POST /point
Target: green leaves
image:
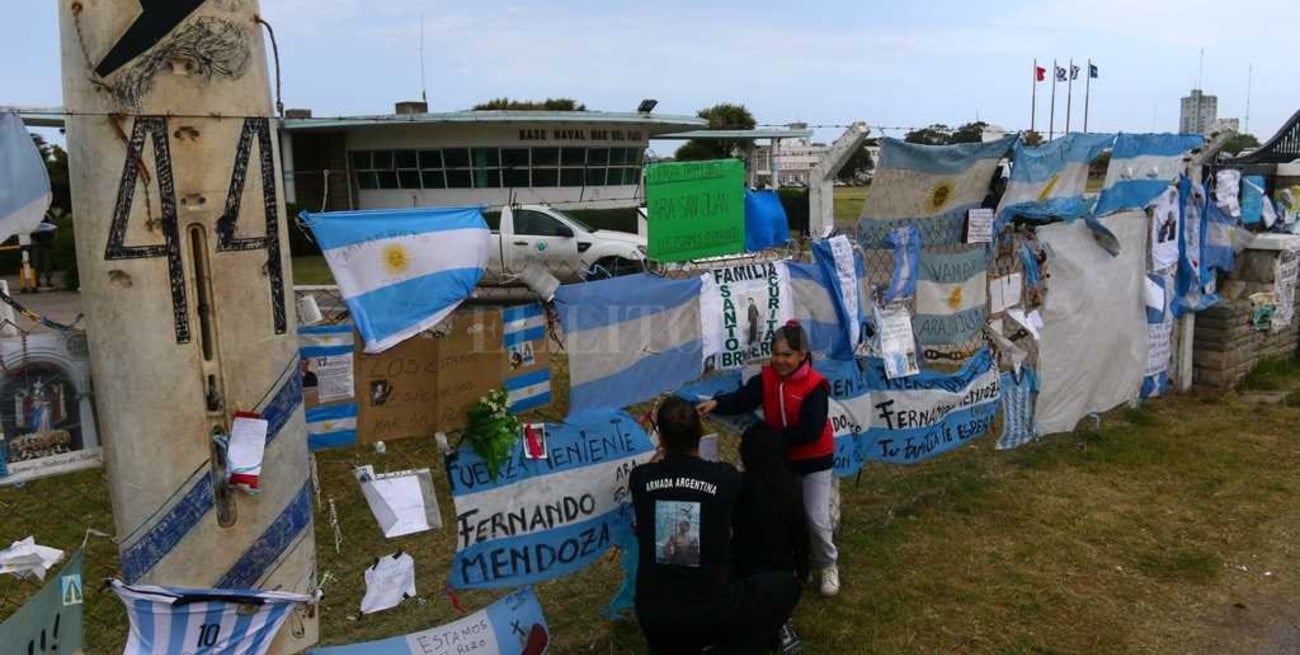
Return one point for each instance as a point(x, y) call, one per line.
point(492, 430)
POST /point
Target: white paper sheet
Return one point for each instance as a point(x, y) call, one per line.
point(402, 502)
point(334, 378)
point(897, 343)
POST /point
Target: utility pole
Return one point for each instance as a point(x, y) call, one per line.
point(181, 244)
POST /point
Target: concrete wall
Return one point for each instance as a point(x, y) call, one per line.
point(1226, 345)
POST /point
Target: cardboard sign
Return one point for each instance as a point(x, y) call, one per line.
point(427, 383)
point(695, 209)
point(51, 621)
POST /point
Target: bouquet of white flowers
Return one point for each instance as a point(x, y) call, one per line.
point(492, 430)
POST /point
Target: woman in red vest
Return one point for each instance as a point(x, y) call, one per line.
point(795, 401)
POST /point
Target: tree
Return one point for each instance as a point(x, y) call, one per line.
point(549, 104)
point(858, 166)
point(722, 116)
point(1032, 138)
point(56, 166)
point(937, 134)
point(969, 133)
point(1238, 142)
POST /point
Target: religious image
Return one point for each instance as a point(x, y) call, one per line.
point(41, 417)
point(535, 440)
point(677, 533)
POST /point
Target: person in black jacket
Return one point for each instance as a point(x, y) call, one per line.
point(688, 596)
point(771, 529)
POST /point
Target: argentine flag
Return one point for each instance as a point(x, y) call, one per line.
point(1047, 182)
point(24, 182)
point(401, 271)
point(1142, 166)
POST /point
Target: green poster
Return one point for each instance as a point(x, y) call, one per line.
point(51, 621)
point(695, 209)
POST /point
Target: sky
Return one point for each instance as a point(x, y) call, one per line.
point(891, 63)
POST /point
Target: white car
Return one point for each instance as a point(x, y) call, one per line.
point(566, 247)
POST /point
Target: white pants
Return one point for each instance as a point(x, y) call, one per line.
point(817, 505)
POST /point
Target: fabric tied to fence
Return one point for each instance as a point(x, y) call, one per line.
point(1159, 291)
point(541, 519)
point(1195, 281)
point(1048, 181)
point(629, 338)
point(1092, 351)
point(513, 625)
point(24, 180)
point(402, 271)
point(766, 224)
point(843, 270)
point(1141, 167)
point(951, 297)
point(932, 186)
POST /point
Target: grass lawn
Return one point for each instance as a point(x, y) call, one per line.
point(1168, 529)
point(848, 205)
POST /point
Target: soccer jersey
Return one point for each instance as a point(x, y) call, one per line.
point(175, 621)
point(1018, 408)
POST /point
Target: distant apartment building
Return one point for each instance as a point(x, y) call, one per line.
point(1198, 113)
point(793, 158)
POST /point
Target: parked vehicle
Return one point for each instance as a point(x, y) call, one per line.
point(565, 246)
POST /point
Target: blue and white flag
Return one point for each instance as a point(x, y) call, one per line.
point(1220, 232)
point(629, 338)
point(905, 241)
point(931, 186)
point(24, 181)
point(513, 625)
point(527, 386)
point(327, 369)
point(1142, 166)
point(951, 297)
point(1018, 394)
point(1048, 181)
point(1252, 199)
point(1195, 281)
point(545, 518)
point(331, 426)
point(1160, 329)
point(203, 621)
point(402, 271)
point(843, 271)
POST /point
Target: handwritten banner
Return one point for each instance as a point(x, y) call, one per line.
point(951, 297)
point(741, 307)
point(695, 209)
point(513, 625)
point(545, 518)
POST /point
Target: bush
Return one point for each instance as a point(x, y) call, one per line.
point(65, 252)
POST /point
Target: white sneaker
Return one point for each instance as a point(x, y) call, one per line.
point(830, 581)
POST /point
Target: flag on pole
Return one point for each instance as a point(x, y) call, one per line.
point(1060, 74)
point(402, 271)
point(1093, 71)
point(1074, 72)
point(1042, 73)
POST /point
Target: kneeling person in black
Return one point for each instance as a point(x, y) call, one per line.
point(688, 597)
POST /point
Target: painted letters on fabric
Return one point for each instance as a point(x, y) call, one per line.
point(741, 307)
point(932, 187)
point(51, 621)
point(545, 518)
point(513, 625)
point(951, 297)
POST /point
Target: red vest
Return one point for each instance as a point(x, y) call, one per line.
point(782, 398)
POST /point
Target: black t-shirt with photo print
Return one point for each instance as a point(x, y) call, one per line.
point(684, 512)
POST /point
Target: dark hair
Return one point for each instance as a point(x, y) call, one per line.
point(678, 425)
point(793, 335)
point(763, 454)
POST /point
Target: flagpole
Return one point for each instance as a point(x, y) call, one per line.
point(1069, 96)
point(1087, 92)
point(1051, 121)
point(1033, 96)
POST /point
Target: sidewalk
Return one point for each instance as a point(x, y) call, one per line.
point(61, 306)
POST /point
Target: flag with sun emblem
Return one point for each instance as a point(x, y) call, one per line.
point(951, 295)
point(401, 271)
point(932, 187)
point(1048, 181)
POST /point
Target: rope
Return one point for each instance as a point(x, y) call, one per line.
point(38, 318)
point(275, 53)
